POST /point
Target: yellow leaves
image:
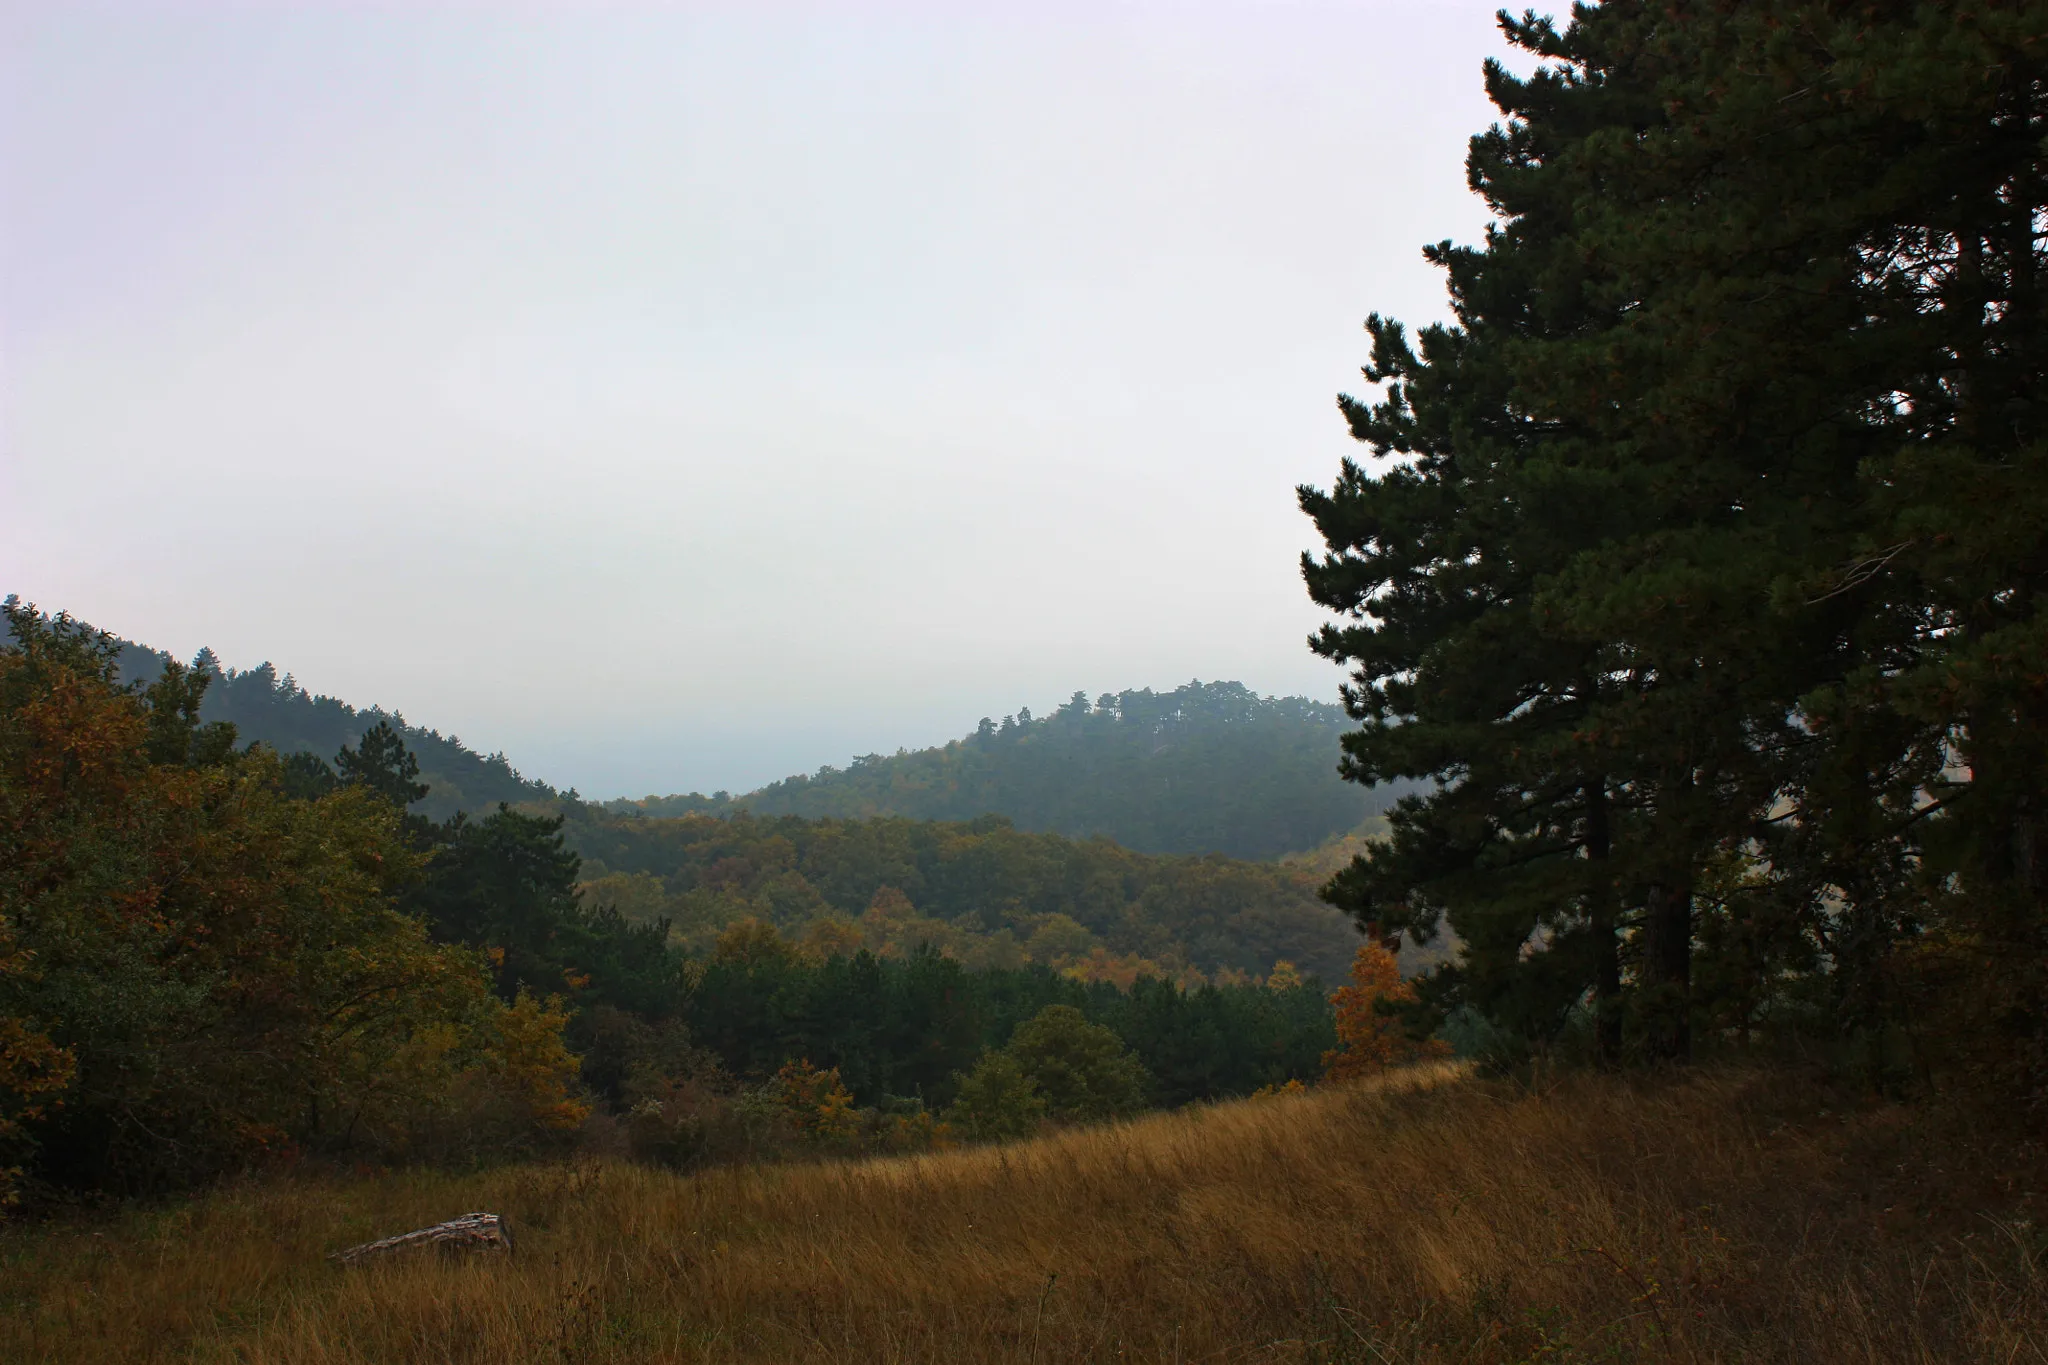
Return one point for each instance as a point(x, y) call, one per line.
point(1122, 970)
point(1285, 976)
point(534, 1062)
point(72, 731)
point(817, 1103)
point(242, 946)
point(832, 936)
point(1058, 938)
point(751, 942)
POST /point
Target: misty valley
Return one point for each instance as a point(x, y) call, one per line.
point(1636, 950)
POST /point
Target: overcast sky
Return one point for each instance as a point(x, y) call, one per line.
point(680, 396)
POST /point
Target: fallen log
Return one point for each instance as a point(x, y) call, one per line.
point(469, 1234)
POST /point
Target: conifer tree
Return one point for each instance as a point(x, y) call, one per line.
point(1741, 421)
point(1439, 559)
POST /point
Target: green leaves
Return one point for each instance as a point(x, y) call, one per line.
point(1714, 533)
point(199, 970)
point(1082, 1069)
point(1058, 1066)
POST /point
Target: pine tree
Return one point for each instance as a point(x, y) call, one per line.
point(1460, 673)
point(1741, 424)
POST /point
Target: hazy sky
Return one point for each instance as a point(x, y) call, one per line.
point(679, 396)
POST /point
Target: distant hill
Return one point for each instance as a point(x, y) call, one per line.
point(982, 891)
point(1205, 768)
point(825, 861)
point(268, 709)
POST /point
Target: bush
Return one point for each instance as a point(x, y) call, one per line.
point(997, 1100)
point(1083, 1070)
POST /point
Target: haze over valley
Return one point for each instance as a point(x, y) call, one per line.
point(1243, 680)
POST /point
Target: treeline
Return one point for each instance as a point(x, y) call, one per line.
point(913, 1027)
point(275, 711)
point(1205, 768)
point(205, 956)
point(1707, 570)
point(214, 956)
point(981, 891)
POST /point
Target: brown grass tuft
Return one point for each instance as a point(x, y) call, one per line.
point(1716, 1217)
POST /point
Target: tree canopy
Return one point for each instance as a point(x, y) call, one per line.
point(982, 890)
point(275, 711)
point(200, 970)
point(1205, 768)
point(1701, 558)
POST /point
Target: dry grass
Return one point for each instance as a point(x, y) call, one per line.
point(1725, 1216)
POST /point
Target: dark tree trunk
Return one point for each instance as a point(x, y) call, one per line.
point(1667, 971)
point(1603, 910)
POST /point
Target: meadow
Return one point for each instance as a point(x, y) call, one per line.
point(1425, 1216)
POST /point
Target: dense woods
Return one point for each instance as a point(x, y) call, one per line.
point(1695, 597)
point(199, 969)
point(1205, 768)
point(1703, 559)
point(276, 711)
point(981, 890)
point(214, 956)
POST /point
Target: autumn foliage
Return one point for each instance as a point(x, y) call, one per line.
point(1370, 1034)
point(818, 1105)
point(200, 971)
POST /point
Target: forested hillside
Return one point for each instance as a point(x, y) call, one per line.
point(211, 954)
point(983, 891)
point(268, 709)
point(1205, 768)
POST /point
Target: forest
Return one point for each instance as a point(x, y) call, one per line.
point(1691, 584)
point(1205, 768)
point(215, 953)
point(980, 890)
point(277, 712)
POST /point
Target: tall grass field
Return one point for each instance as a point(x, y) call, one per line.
point(1430, 1216)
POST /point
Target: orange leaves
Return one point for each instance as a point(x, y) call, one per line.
point(225, 964)
point(34, 1072)
point(817, 1102)
point(70, 731)
point(1370, 1038)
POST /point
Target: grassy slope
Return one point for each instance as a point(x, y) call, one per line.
point(1720, 1217)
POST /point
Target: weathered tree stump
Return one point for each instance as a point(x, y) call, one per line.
point(470, 1234)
